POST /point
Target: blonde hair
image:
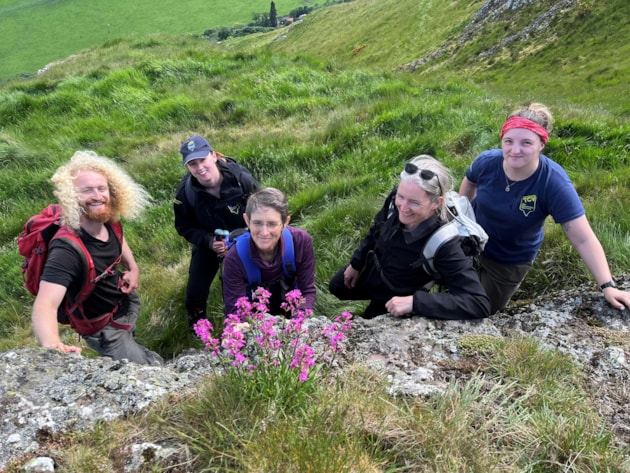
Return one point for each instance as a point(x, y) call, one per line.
point(535, 112)
point(436, 188)
point(128, 198)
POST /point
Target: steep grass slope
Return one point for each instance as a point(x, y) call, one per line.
point(330, 132)
point(567, 50)
point(330, 119)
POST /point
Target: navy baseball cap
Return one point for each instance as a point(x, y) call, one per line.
point(195, 147)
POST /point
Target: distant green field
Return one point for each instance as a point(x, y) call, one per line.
point(36, 32)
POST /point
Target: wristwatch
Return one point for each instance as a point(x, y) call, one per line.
point(610, 283)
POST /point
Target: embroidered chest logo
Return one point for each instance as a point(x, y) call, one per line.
point(528, 204)
point(235, 209)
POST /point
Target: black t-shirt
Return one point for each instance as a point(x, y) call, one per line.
point(66, 266)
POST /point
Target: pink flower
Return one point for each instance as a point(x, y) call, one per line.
point(203, 328)
point(243, 305)
point(294, 326)
point(268, 339)
point(251, 331)
point(336, 332)
point(294, 301)
point(303, 360)
point(233, 340)
point(261, 295)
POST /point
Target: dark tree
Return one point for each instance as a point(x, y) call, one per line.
point(273, 15)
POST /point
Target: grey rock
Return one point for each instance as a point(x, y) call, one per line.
point(490, 13)
point(44, 392)
point(39, 465)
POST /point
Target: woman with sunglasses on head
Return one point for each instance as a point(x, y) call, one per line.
point(513, 190)
point(386, 268)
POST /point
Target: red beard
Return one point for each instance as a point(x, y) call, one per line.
point(101, 214)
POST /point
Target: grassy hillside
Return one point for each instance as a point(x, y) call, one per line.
point(370, 33)
point(582, 57)
point(325, 115)
point(328, 132)
point(35, 33)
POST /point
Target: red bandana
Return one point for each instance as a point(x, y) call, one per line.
point(520, 122)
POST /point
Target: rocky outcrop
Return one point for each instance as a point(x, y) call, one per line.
point(491, 12)
point(43, 392)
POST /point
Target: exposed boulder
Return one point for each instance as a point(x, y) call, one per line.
point(491, 12)
point(43, 392)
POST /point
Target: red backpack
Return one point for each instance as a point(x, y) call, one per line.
point(39, 230)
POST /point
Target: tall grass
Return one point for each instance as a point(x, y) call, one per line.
point(332, 138)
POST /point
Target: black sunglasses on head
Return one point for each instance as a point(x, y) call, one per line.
point(425, 174)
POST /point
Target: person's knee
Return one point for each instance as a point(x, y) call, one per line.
point(153, 359)
point(336, 289)
point(494, 308)
point(336, 285)
point(332, 287)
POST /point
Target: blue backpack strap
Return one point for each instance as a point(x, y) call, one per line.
point(253, 271)
point(288, 258)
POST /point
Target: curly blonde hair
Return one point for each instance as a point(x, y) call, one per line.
point(128, 198)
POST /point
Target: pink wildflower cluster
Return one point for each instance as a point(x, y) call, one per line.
point(250, 338)
point(336, 332)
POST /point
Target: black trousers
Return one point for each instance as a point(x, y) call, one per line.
point(360, 292)
point(204, 264)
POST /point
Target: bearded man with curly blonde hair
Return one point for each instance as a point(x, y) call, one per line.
point(94, 193)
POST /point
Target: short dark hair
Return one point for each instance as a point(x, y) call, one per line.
point(268, 197)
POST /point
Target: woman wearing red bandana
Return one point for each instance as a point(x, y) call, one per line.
point(513, 190)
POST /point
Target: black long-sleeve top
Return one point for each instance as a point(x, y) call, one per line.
point(196, 221)
point(399, 253)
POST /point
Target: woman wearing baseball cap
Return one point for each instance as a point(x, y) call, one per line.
point(211, 196)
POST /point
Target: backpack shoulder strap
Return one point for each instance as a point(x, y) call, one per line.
point(442, 235)
point(253, 271)
point(189, 192)
point(73, 307)
point(288, 257)
point(89, 271)
point(118, 232)
point(235, 169)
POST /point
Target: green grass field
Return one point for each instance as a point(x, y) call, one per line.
point(35, 33)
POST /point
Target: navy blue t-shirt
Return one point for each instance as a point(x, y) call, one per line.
point(515, 220)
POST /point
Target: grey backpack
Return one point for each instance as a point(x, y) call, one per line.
point(463, 225)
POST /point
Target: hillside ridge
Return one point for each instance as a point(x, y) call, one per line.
point(492, 11)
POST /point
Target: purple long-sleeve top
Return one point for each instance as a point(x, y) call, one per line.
point(235, 276)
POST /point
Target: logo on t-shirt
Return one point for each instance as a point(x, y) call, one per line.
point(235, 209)
point(528, 204)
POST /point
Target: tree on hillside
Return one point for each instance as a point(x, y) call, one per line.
point(260, 19)
point(273, 15)
point(297, 12)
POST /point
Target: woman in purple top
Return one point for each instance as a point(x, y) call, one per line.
point(267, 215)
point(513, 190)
